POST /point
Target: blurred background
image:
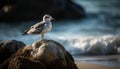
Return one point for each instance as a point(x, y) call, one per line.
point(84, 27)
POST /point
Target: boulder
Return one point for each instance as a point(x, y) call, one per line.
point(50, 54)
point(23, 10)
point(21, 62)
point(41, 55)
point(8, 48)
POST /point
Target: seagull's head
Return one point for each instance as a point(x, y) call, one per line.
point(47, 18)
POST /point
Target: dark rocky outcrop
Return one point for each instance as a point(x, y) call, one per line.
point(23, 10)
point(9, 47)
point(25, 63)
point(40, 55)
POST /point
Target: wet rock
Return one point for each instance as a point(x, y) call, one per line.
point(50, 53)
point(53, 55)
point(9, 47)
point(23, 10)
point(42, 55)
point(25, 63)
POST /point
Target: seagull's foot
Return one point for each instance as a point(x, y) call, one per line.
point(42, 41)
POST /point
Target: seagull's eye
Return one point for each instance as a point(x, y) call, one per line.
point(32, 27)
point(47, 17)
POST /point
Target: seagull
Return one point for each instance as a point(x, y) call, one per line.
point(41, 27)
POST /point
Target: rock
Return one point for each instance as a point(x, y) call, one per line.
point(9, 47)
point(25, 63)
point(50, 53)
point(53, 55)
point(42, 55)
point(23, 10)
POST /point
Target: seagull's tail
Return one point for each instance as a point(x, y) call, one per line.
point(25, 33)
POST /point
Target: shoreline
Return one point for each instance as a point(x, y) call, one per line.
point(104, 60)
point(82, 65)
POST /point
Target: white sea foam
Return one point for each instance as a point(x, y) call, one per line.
point(107, 44)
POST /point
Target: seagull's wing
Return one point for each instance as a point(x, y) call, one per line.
point(39, 25)
point(36, 29)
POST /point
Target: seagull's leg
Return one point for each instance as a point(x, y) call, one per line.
point(42, 35)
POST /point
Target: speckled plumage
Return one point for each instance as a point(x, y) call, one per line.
point(41, 27)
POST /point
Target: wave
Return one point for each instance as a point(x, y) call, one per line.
point(91, 45)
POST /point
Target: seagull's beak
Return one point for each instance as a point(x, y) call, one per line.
point(52, 19)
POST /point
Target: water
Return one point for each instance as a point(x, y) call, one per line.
point(109, 60)
point(98, 6)
point(97, 34)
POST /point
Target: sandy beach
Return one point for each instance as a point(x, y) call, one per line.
point(82, 65)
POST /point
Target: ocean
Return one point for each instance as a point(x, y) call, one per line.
point(94, 39)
